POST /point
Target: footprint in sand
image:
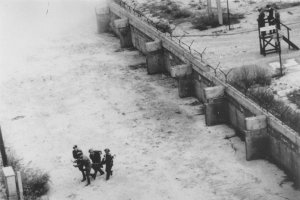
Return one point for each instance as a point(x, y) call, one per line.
point(71, 196)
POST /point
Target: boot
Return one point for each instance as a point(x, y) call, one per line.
point(83, 177)
point(101, 172)
point(94, 175)
point(88, 181)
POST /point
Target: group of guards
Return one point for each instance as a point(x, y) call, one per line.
point(85, 165)
point(273, 17)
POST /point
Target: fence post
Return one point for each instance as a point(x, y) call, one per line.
point(20, 185)
point(2, 149)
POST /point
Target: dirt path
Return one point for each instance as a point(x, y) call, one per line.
point(71, 86)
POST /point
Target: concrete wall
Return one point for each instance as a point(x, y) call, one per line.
point(269, 138)
point(284, 153)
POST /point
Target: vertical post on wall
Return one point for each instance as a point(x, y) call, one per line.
point(220, 13)
point(2, 149)
point(209, 10)
point(279, 51)
point(228, 15)
point(20, 185)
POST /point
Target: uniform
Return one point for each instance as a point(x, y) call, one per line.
point(108, 161)
point(76, 155)
point(85, 163)
point(95, 156)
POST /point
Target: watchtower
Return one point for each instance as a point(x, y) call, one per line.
point(270, 33)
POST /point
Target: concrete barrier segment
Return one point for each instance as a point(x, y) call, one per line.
point(255, 123)
point(103, 19)
point(178, 71)
point(10, 183)
point(256, 142)
point(214, 92)
point(121, 23)
point(153, 46)
point(185, 86)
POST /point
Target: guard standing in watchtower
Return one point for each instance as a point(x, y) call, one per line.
point(270, 17)
point(108, 161)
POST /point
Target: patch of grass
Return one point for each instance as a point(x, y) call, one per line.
point(294, 97)
point(35, 181)
point(168, 10)
point(265, 98)
point(204, 22)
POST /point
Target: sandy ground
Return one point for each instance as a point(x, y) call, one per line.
point(63, 84)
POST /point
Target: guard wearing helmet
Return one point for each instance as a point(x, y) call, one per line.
point(76, 150)
point(108, 161)
point(95, 156)
point(76, 154)
point(84, 163)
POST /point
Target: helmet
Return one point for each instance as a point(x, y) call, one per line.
point(106, 150)
point(75, 146)
point(91, 150)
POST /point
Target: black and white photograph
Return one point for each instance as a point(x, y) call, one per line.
point(150, 99)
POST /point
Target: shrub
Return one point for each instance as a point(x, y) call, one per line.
point(235, 18)
point(294, 97)
point(263, 96)
point(245, 77)
point(182, 13)
point(35, 181)
point(204, 22)
point(169, 10)
point(262, 76)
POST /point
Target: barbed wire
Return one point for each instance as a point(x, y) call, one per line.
point(167, 31)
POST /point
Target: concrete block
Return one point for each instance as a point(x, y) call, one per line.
point(153, 46)
point(255, 123)
point(102, 22)
point(178, 71)
point(167, 60)
point(256, 142)
point(199, 90)
point(121, 23)
point(10, 183)
point(185, 86)
point(240, 118)
point(155, 62)
point(296, 162)
point(214, 92)
point(232, 115)
point(216, 112)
